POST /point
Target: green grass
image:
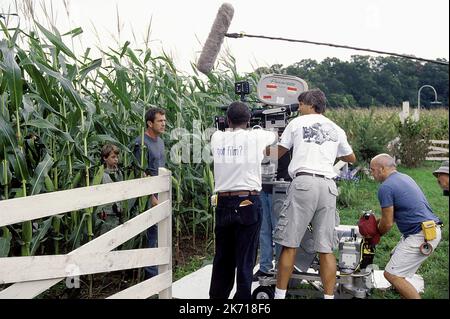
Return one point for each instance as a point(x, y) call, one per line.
point(193, 264)
point(435, 269)
point(362, 195)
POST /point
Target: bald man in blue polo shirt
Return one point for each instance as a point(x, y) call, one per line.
point(403, 202)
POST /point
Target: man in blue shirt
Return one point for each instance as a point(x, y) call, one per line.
point(155, 119)
point(403, 202)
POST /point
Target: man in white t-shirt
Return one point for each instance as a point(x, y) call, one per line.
point(317, 142)
point(237, 153)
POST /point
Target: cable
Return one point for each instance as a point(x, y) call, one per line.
point(241, 35)
point(3, 15)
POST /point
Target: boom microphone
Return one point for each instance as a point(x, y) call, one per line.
point(215, 38)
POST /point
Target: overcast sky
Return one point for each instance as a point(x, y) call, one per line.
point(420, 28)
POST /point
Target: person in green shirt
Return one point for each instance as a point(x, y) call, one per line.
point(110, 214)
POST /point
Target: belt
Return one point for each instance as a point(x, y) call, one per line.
point(310, 174)
point(238, 193)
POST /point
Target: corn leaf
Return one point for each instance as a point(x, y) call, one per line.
point(45, 105)
point(68, 88)
point(102, 138)
point(12, 74)
point(76, 180)
point(42, 86)
point(5, 173)
point(124, 48)
point(45, 124)
point(49, 187)
point(90, 67)
point(122, 96)
point(56, 41)
point(37, 181)
point(43, 229)
point(74, 32)
point(98, 176)
point(133, 57)
point(8, 137)
point(5, 244)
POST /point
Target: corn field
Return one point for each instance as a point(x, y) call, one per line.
point(57, 109)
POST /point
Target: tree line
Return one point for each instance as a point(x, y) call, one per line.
point(371, 81)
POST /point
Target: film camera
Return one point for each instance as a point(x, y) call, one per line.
point(278, 96)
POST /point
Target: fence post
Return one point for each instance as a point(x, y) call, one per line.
point(405, 111)
point(48, 204)
point(165, 233)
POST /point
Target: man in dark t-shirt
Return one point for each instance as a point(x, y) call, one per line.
point(155, 157)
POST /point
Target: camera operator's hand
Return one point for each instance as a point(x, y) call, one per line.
point(348, 158)
point(154, 200)
point(275, 152)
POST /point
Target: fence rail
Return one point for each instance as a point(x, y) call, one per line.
point(438, 150)
point(35, 274)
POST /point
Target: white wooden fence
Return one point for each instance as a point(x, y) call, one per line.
point(33, 275)
point(438, 150)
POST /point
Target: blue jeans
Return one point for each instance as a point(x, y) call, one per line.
point(265, 236)
point(152, 242)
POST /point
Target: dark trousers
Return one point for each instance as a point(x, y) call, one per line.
point(152, 242)
point(237, 235)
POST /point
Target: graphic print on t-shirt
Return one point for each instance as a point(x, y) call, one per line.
point(320, 133)
point(237, 153)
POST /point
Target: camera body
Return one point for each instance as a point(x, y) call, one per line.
point(275, 119)
point(242, 89)
point(278, 95)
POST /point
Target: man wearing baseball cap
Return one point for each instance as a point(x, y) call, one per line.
point(442, 176)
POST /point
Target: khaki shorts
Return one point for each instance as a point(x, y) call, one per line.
point(309, 200)
point(406, 257)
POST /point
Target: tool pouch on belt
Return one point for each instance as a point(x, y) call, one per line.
point(429, 229)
